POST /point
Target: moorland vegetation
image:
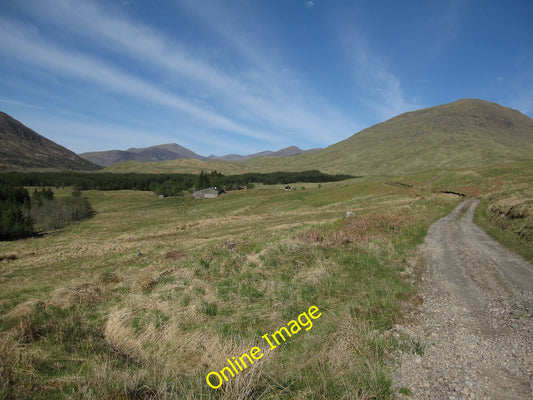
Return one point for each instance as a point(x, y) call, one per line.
point(148, 296)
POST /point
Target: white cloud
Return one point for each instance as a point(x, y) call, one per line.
point(19, 103)
point(310, 4)
point(265, 86)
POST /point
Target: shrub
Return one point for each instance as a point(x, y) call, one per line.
point(13, 223)
point(53, 214)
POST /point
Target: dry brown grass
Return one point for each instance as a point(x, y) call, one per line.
point(177, 352)
point(343, 348)
point(86, 293)
point(15, 366)
point(175, 255)
point(360, 229)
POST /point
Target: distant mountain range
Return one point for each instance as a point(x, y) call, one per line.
point(465, 133)
point(173, 151)
point(23, 148)
point(162, 152)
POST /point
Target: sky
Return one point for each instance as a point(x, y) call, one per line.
point(242, 76)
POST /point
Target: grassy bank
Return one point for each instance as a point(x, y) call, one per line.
point(507, 212)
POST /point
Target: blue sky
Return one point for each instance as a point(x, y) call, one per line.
point(243, 76)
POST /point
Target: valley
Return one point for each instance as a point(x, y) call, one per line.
point(152, 294)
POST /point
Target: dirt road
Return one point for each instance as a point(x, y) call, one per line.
point(475, 324)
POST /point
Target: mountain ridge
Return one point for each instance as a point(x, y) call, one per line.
point(162, 152)
point(173, 151)
point(23, 148)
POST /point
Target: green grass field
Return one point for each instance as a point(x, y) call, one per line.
point(150, 295)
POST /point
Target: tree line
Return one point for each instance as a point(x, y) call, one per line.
point(165, 184)
point(22, 215)
point(14, 223)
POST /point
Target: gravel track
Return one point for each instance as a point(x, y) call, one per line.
point(475, 325)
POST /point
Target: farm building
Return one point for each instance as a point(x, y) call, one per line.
point(209, 193)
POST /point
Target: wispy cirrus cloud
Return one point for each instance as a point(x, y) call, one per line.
point(444, 24)
point(257, 98)
point(381, 89)
point(35, 51)
point(273, 88)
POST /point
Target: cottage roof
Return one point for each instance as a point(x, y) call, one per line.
point(207, 191)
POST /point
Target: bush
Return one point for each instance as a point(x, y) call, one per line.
point(13, 223)
point(39, 196)
point(53, 214)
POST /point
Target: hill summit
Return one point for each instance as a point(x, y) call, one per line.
point(467, 132)
point(23, 148)
point(162, 152)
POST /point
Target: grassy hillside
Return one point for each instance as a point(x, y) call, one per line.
point(461, 134)
point(184, 165)
point(23, 148)
point(466, 133)
point(506, 194)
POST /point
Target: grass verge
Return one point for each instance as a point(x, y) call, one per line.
point(511, 226)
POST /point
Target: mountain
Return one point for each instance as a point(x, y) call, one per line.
point(158, 153)
point(465, 133)
point(173, 151)
point(23, 148)
point(286, 152)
